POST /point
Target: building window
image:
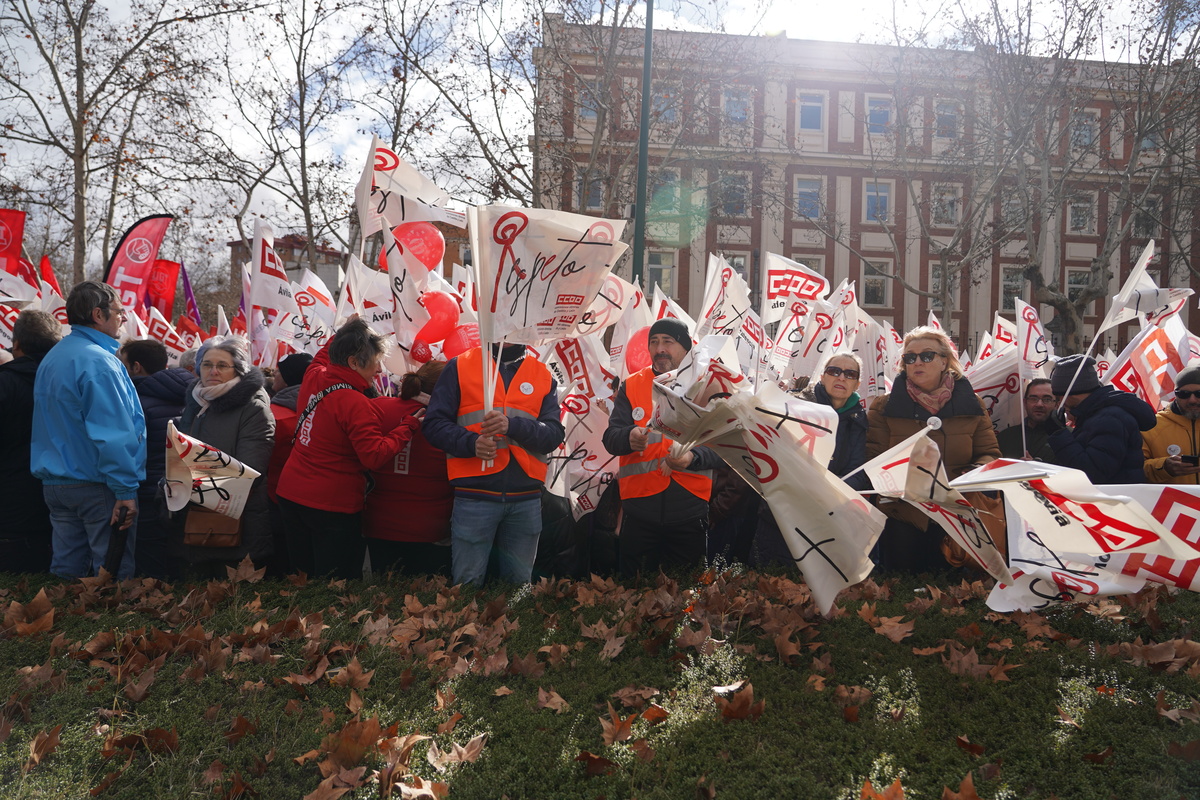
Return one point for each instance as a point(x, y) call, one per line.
point(737, 261)
point(737, 106)
point(588, 99)
point(1081, 215)
point(878, 201)
point(1012, 211)
point(591, 194)
point(946, 120)
point(660, 269)
point(664, 197)
point(1146, 219)
point(1012, 287)
point(1077, 281)
point(734, 198)
point(1152, 141)
point(945, 206)
point(665, 105)
point(879, 114)
point(808, 198)
point(1085, 129)
point(812, 112)
point(876, 286)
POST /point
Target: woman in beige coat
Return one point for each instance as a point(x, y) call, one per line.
point(931, 384)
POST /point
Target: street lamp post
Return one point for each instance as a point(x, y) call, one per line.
point(639, 209)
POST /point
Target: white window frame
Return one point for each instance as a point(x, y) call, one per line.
point(746, 96)
point(655, 272)
point(673, 205)
point(588, 89)
point(881, 102)
point(664, 104)
point(804, 99)
point(1075, 287)
point(723, 182)
point(820, 198)
point(877, 270)
point(1076, 207)
point(1080, 141)
point(1011, 278)
point(941, 198)
point(955, 129)
point(866, 202)
point(584, 197)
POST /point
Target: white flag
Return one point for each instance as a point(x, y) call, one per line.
point(205, 476)
point(390, 192)
point(784, 279)
point(539, 270)
point(1033, 346)
point(1139, 294)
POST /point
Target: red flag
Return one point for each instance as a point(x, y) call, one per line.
point(48, 275)
point(160, 289)
point(187, 325)
point(27, 273)
point(131, 262)
point(12, 233)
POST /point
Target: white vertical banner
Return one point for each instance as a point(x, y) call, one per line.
point(784, 279)
point(1033, 346)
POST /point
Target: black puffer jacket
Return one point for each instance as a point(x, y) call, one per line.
point(850, 448)
point(240, 424)
point(25, 513)
point(163, 396)
point(1106, 442)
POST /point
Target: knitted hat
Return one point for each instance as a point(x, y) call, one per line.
point(672, 327)
point(1064, 372)
point(1190, 375)
point(292, 367)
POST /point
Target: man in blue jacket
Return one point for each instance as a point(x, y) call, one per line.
point(89, 436)
point(1106, 442)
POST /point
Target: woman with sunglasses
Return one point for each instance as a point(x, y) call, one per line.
point(837, 387)
point(930, 384)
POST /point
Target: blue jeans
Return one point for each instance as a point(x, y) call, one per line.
point(81, 518)
point(512, 528)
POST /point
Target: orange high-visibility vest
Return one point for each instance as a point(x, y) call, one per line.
point(640, 474)
point(523, 398)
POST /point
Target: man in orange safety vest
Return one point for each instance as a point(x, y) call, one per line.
point(664, 496)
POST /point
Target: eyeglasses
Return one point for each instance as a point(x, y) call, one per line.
point(120, 310)
point(207, 365)
point(837, 372)
point(1185, 394)
point(926, 357)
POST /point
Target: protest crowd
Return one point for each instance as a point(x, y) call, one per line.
point(517, 422)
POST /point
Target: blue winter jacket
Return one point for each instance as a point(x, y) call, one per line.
point(1106, 442)
point(88, 425)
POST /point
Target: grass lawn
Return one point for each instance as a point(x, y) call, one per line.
point(714, 685)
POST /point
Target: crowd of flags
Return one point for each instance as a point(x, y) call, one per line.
point(544, 278)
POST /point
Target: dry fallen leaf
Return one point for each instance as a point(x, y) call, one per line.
point(1188, 751)
point(503, 691)
point(740, 704)
point(594, 764)
point(352, 675)
point(893, 792)
point(965, 744)
point(42, 746)
point(245, 571)
point(642, 750)
point(1099, 758)
point(449, 724)
point(552, 700)
point(616, 728)
point(966, 790)
point(468, 752)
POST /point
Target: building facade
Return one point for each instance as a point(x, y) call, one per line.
point(936, 180)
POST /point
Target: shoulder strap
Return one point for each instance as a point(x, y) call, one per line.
point(312, 404)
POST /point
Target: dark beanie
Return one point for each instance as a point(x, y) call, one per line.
point(673, 328)
point(292, 367)
point(1064, 371)
point(1190, 375)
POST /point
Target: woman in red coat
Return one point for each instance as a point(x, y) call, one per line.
point(407, 516)
point(339, 434)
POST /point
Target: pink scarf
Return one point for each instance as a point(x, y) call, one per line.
point(933, 401)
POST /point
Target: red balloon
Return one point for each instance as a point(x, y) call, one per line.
point(420, 351)
point(637, 351)
point(443, 316)
point(462, 339)
point(423, 240)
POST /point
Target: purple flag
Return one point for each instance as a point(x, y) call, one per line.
point(193, 309)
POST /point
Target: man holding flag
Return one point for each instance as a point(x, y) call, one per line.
point(664, 495)
point(496, 458)
point(1106, 442)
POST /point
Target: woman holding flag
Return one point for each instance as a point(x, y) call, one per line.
point(930, 384)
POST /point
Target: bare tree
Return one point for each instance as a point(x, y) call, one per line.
point(78, 85)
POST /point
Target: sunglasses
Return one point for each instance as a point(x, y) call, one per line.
point(1184, 394)
point(852, 374)
point(926, 357)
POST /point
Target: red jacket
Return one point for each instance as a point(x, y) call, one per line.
point(285, 427)
point(341, 438)
point(412, 498)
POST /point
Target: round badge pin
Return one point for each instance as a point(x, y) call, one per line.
point(526, 388)
point(639, 414)
point(1174, 449)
